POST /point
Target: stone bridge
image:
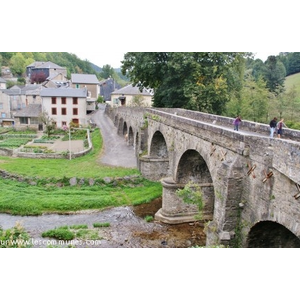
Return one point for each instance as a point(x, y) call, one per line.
point(250, 183)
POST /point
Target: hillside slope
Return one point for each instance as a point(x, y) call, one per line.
point(293, 80)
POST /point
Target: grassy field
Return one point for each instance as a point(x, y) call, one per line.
point(293, 80)
point(22, 198)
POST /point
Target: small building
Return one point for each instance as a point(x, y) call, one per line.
point(38, 71)
point(6, 118)
point(89, 81)
point(131, 96)
point(65, 105)
point(108, 86)
point(28, 117)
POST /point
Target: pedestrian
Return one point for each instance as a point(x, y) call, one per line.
point(273, 125)
point(237, 122)
point(280, 126)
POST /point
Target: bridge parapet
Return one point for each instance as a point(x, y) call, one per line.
point(227, 122)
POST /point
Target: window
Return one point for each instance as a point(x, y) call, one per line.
point(64, 123)
point(63, 100)
point(75, 100)
point(1, 105)
point(64, 111)
point(23, 120)
point(53, 110)
point(75, 111)
point(53, 100)
point(3, 115)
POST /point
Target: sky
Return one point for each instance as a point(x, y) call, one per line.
point(114, 58)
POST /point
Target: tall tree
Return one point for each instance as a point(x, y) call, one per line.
point(18, 63)
point(194, 80)
point(274, 74)
point(107, 71)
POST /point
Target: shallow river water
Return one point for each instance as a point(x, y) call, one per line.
point(127, 229)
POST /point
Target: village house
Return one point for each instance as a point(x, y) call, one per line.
point(107, 86)
point(38, 71)
point(65, 105)
point(21, 96)
point(28, 117)
point(91, 83)
point(6, 118)
point(131, 96)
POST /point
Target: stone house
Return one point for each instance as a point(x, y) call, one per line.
point(21, 96)
point(107, 86)
point(44, 69)
point(6, 118)
point(131, 96)
point(65, 105)
point(56, 80)
point(28, 117)
point(91, 83)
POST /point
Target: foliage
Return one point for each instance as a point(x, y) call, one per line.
point(274, 74)
point(48, 122)
point(67, 233)
point(96, 225)
point(15, 237)
point(107, 71)
point(192, 194)
point(195, 80)
point(148, 218)
point(59, 234)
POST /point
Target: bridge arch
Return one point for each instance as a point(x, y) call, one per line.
point(130, 140)
point(192, 168)
point(158, 146)
point(269, 234)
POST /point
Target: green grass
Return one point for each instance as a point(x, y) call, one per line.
point(88, 166)
point(21, 198)
point(96, 225)
point(293, 80)
point(68, 233)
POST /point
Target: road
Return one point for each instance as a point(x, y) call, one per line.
point(116, 152)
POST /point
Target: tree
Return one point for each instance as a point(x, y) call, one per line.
point(107, 71)
point(255, 96)
point(38, 77)
point(48, 122)
point(274, 74)
point(17, 62)
point(194, 80)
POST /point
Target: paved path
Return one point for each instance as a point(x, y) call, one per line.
point(116, 151)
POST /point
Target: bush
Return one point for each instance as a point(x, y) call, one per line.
point(148, 218)
point(101, 225)
point(61, 233)
point(15, 237)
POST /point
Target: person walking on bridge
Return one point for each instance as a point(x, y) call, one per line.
point(273, 125)
point(237, 122)
point(280, 126)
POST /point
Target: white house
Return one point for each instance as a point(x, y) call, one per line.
point(65, 105)
point(131, 96)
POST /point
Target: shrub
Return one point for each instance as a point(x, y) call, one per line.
point(101, 225)
point(61, 233)
point(15, 237)
point(149, 218)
